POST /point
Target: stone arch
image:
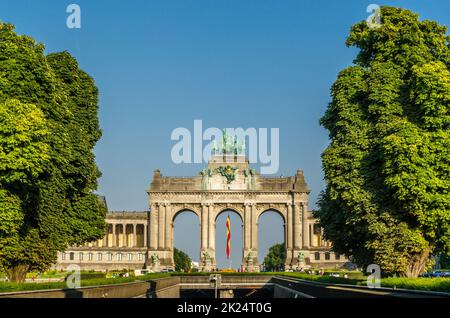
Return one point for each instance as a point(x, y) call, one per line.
point(282, 214)
point(278, 208)
point(223, 208)
point(185, 209)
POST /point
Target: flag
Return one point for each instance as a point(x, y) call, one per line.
point(228, 237)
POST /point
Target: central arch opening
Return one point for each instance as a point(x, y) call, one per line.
point(186, 236)
point(236, 245)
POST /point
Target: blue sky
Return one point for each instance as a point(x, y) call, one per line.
point(160, 65)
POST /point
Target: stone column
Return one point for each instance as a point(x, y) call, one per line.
point(204, 227)
point(113, 235)
point(254, 236)
point(108, 237)
point(289, 229)
point(154, 227)
point(147, 233)
point(212, 234)
point(297, 226)
point(124, 236)
point(135, 236)
point(144, 235)
point(168, 221)
point(305, 226)
point(161, 226)
point(247, 226)
point(171, 235)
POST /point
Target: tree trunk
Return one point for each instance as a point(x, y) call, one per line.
point(418, 263)
point(18, 273)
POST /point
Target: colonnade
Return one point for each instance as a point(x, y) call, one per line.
point(123, 235)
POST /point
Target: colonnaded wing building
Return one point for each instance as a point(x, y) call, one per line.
point(144, 240)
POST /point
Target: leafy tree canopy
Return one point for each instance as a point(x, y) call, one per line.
point(274, 261)
point(387, 169)
point(48, 128)
point(182, 261)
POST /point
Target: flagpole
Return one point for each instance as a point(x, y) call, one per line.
point(229, 258)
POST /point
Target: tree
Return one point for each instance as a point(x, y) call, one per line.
point(274, 261)
point(48, 128)
point(445, 261)
point(387, 169)
point(182, 261)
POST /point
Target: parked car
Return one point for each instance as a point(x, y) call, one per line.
point(445, 274)
point(440, 273)
point(334, 275)
point(426, 275)
point(437, 273)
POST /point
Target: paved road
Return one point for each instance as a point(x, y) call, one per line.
point(319, 290)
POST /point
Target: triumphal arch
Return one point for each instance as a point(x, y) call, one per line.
point(229, 183)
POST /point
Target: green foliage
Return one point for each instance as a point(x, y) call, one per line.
point(325, 278)
point(444, 261)
point(182, 261)
point(387, 169)
point(15, 287)
point(275, 258)
point(48, 128)
point(92, 275)
point(431, 284)
point(23, 151)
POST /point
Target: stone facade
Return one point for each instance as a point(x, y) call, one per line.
point(123, 247)
point(227, 183)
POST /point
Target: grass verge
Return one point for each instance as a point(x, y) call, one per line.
point(428, 284)
point(13, 287)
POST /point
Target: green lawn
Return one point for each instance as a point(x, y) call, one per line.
point(429, 284)
point(432, 284)
point(325, 278)
point(12, 287)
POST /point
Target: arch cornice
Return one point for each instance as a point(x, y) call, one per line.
point(222, 207)
point(280, 208)
point(178, 208)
